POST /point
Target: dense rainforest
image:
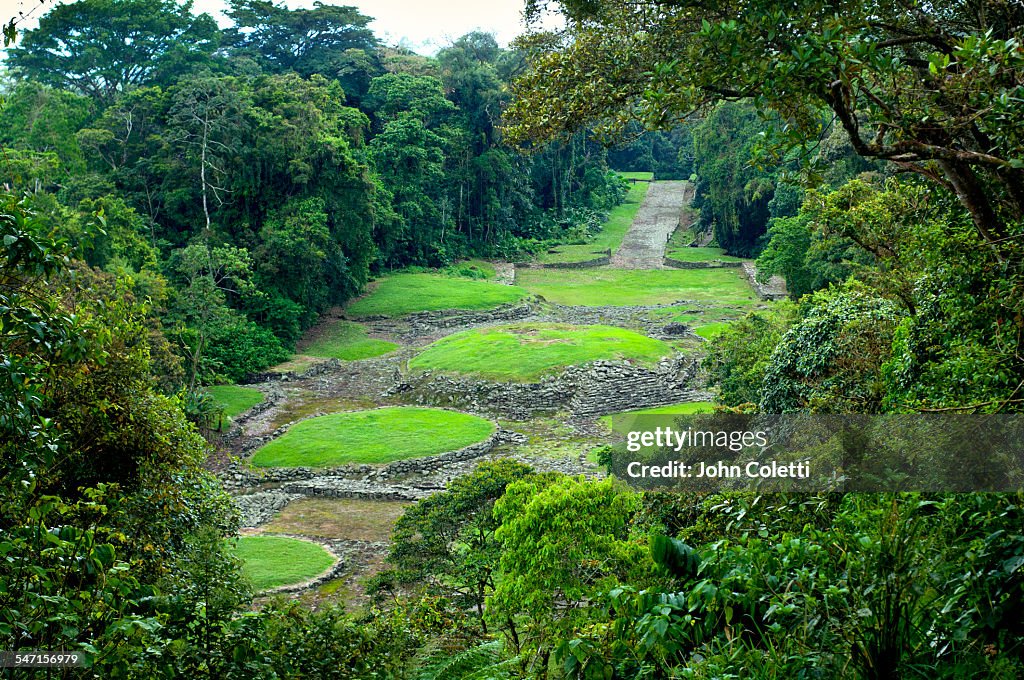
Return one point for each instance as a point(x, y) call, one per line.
point(246, 180)
point(181, 202)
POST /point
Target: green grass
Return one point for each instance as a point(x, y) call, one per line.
point(615, 227)
point(683, 409)
point(235, 399)
point(347, 518)
point(674, 315)
point(636, 175)
point(525, 352)
point(474, 269)
point(681, 238)
point(376, 436)
point(297, 364)
point(573, 253)
point(604, 286)
point(406, 293)
point(709, 331)
point(347, 340)
point(271, 561)
point(687, 254)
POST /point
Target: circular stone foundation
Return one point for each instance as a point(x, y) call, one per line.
point(527, 352)
point(381, 435)
point(275, 561)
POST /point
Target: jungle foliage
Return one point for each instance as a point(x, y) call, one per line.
point(181, 202)
point(252, 178)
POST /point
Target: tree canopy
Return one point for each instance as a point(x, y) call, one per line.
point(101, 48)
point(326, 39)
point(932, 88)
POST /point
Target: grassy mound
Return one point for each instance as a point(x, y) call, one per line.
point(406, 293)
point(615, 227)
point(604, 286)
point(346, 340)
point(525, 352)
point(376, 436)
point(235, 399)
point(271, 561)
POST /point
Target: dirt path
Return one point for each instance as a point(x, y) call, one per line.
point(643, 246)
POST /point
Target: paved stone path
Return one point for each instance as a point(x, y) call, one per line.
point(643, 246)
point(504, 272)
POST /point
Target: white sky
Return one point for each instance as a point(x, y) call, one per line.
point(425, 25)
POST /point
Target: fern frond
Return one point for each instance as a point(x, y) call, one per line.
point(482, 662)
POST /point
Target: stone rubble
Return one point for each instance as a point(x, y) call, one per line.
point(773, 289)
point(260, 507)
point(597, 388)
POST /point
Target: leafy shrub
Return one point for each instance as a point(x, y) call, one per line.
point(739, 355)
point(857, 586)
point(831, 360)
point(244, 348)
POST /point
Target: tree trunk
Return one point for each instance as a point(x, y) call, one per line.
point(971, 194)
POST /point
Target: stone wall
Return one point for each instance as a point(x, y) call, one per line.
point(260, 507)
point(597, 388)
point(271, 398)
point(450, 318)
point(311, 372)
point(773, 289)
point(454, 318)
point(604, 259)
point(714, 264)
point(614, 388)
point(240, 476)
point(332, 487)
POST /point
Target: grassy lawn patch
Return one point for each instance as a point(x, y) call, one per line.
point(376, 436)
point(297, 364)
point(550, 438)
point(400, 294)
point(572, 253)
point(687, 254)
point(604, 286)
point(346, 340)
point(234, 398)
point(271, 561)
point(710, 330)
point(684, 409)
point(620, 218)
point(304, 403)
point(525, 352)
point(473, 269)
point(681, 238)
point(636, 175)
point(351, 519)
